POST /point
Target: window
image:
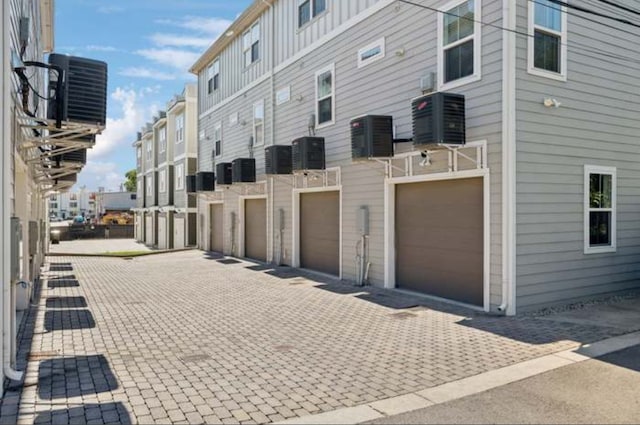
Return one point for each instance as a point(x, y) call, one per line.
point(213, 76)
point(600, 209)
point(53, 205)
point(251, 44)
point(258, 123)
point(139, 153)
point(217, 138)
point(180, 177)
point(325, 99)
point(371, 53)
point(547, 41)
point(149, 186)
point(179, 128)
point(162, 184)
point(149, 150)
point(162, 139)
point(459, 41)
point(134, 196)
point(309, 9)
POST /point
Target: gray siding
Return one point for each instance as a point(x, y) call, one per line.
point(597, 124)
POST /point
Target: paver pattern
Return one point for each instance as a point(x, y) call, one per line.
point(97, 246)
point(188, 337)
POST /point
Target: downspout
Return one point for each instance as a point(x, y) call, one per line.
point(272, 82)
point(508, 306)
point(5, 209)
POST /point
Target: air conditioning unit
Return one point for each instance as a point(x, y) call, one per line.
point(438, 119)
point(224, 173)
point(308, 153)
point(191, 184)
point(244, 170)
point(74, 157)
point(372, 137)
point(70, 178)
point(277, 160)
point(205, 181)
point(83, 90)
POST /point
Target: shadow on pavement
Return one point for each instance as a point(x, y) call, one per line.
point(66, 302)
point(62, 283)
point(104, 413)
point(213, 255)
point(58, 320)
point(60, 267)
point(75, 376)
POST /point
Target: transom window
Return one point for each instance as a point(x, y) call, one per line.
point(213, 76)
point(180, 128)
point(180, 177)
point(251, 44)
point(309, 9)
point(459, 54)
point(217, 138)
point(600, 209)
point(325, 96)
point(258, 123)
point(162, 139)
point(547, 44)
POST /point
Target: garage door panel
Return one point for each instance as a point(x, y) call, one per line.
point(216, 230)
point(255, 230)
point(440, 238)
point(320, 232)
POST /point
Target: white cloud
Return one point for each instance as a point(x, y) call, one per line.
point(96, 48)
point(211, 26)
point(102, 174)
point(175, 40)
point(140, 72)
point(119, 131)
point(178, 59)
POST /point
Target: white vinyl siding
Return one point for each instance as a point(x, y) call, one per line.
point(325, 96)
point(547, 45)
point(459, 44)
point(600, 209)
point(258, 123)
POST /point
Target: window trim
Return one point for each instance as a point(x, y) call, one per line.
point(180, 129)
point(213, 71)
point(150, 186)
point(312, 16)
point(180, 176)
point(217, 127)
point(162, 143)
point(477, 46)
point(250, 48)
point(381, 43)
point(531, 69)
point(588, 171)
point(253, 114)
point(332, 69)
point(162, 183)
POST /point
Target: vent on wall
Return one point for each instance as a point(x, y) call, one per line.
point(277, 160)
point(439, 118)
point(84, 90)
point(372, 137)
point(224, 173)
point(205, 181)
point(308, 153)
point(244, 170)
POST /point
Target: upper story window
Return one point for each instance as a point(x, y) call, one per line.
point(548, 39)
point(139, 153)
point(459, 43)
point(150, 186)
point(309, 9)
point(180, 177)
point(149, 150)
point(600, 209)
point(162, 139)
point(325, 96)
point(162, 184)
point(180, 128)
point(217, 138)
point(213, 76)
point(258, 123)
point(251, 44)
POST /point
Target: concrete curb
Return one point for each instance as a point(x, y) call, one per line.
point(469, 386)
point(104, 255)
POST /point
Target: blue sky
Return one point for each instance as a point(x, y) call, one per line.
point(149, 46)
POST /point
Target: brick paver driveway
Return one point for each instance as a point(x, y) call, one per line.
point(184, 337)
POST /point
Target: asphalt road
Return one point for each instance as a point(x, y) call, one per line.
point(604, 390)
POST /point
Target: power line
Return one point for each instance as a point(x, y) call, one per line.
point(593, 12)
point(621, 7)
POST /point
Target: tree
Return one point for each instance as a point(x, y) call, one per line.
point(130, 183)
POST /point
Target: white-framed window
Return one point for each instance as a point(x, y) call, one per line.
point(150, 186)
point(459, 33)
point(325, 96)
point(547, 40)
point(258, 123)
point(139, 153)
point(179, 176)
point(371, 53)
point(149, 150)
point(213, 76)
point(162, 139)
point(251, 44)
point(217, 138)
point(162, 183)
point(180, 128)
point(600, 199)
point(283, 95)
point(309, 9)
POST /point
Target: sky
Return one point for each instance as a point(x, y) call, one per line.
point(149, 46)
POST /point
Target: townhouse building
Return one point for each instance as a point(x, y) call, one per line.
point(505, 180)
point(165, 216)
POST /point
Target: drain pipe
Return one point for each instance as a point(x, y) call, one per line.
point(5, 209)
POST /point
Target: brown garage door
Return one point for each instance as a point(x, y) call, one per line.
point(255, 229)
point(320, 232)
point(439, 239)
point(216, 242)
